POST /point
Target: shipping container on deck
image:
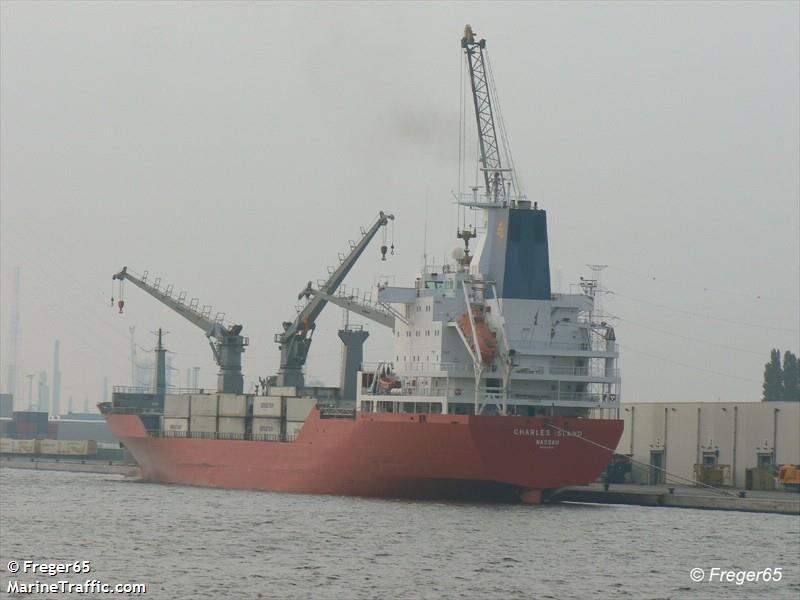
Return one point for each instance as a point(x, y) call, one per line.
point(232, 405)
point(267, 406)
point(297, 409)
point(204, 405)
point(173, 424)
point(202, 423)
point(140, 400)
point(6, 445)
point(287, 390)
point(266, 426)
point(231, 425)
point(293, 428)
point(177, 406)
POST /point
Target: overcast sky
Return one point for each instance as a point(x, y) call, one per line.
point(233, 149)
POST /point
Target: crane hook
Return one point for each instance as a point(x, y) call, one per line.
point(121, 301)
point(383, 252)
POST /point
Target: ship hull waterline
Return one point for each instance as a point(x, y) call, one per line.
point(389, 455)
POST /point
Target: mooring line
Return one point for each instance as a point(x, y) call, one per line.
point(678, 477)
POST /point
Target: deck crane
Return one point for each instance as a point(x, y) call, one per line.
point(482, 83)
point(498, 182)
point(295, 340)
point(227, 342)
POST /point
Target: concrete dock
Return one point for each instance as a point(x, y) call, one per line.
point(674, 496)
point(72, 465)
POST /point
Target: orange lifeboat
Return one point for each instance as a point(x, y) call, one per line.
point(487, 339)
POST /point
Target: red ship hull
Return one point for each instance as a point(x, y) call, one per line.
point(389, 455)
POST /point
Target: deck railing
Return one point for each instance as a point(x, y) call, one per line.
point(216, 435)
point(590, 399)
point(128, 389)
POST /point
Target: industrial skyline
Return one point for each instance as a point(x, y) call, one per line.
point(48, 387)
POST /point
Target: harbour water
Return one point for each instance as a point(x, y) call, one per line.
point(184, 542)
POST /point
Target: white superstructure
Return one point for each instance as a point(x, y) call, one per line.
point(486, 334)
point(550, 356)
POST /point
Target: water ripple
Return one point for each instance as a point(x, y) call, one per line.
point(203, 543)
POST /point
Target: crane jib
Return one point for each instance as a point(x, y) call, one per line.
point(294, 341)
point(229, 343)
point(487, 134)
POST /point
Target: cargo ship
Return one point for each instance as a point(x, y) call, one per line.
point(498, 388)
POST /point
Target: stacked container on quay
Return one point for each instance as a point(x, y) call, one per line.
point(488, 395)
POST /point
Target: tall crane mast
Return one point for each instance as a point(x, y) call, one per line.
point(480, 79)
point(227, 343)
point(295, 340)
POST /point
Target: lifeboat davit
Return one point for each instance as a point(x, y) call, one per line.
point(487, 339)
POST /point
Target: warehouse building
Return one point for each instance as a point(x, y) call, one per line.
point(689, 438)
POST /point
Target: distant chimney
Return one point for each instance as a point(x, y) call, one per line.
point(56, 380)
point(44, 393)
